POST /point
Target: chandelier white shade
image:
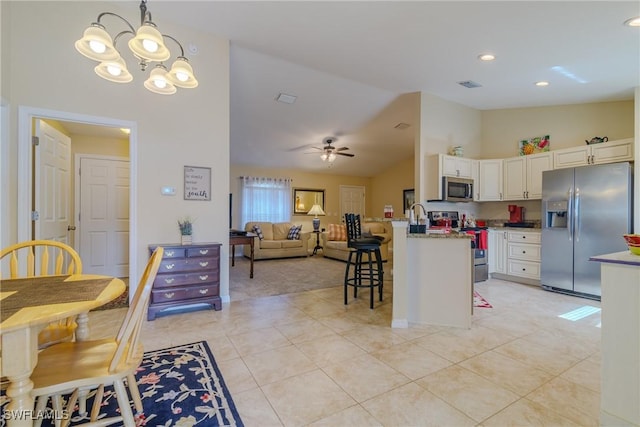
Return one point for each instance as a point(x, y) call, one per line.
point(147, 44)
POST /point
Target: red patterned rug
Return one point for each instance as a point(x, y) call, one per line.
point(479, 301)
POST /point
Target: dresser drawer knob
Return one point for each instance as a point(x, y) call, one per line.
point(204, 263)
point(170, 266)
point(169, 294)
point(204, 251)
point(204, 291)
point(524, 252)
point(169, 253)
point(205, 277)
point(169, 280)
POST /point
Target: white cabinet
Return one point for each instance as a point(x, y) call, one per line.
point(523, 254)
point(497, 251)
point(455, 166)
point(606, 152)
point(475, 174)
point(523, 176)
point(490, 185)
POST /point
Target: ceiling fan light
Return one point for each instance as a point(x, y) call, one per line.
point(148, 44)
point(159, 83)
point(114, 71)
point(96, 44)
point(332, 157)
point(181, 74)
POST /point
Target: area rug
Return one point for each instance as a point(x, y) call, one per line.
point(479, 301)
point(180, 386)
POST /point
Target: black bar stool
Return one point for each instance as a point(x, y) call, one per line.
point(367, 273)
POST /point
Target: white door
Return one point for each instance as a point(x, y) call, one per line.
point(351, 200)
point(52, 183)
point(104, 216)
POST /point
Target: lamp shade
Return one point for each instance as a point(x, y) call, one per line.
point(181, 74)
point(316, 210)
point(158, 81)
point(115, 71)
point(96, 44)
point(148, 44)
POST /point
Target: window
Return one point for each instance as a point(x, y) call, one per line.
point(265, 199)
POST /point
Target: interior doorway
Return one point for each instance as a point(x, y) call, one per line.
point(352, 200)
point(26, 117)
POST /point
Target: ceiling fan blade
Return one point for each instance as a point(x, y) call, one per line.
point(345, 154)
point(342, 148)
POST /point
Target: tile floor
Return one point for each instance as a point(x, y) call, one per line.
point(306, 359)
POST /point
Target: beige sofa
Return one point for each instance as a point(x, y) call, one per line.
point(337, 249)
point(274, 243)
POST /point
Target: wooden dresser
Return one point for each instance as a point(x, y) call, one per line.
point(189, 275)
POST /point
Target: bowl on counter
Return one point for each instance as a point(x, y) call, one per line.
point(633, 242)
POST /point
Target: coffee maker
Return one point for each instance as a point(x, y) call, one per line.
point(516, 214)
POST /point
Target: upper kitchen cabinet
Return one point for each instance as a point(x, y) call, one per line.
point(523, 176)
point(605, 152)
point(455, 166)
point(490, 185)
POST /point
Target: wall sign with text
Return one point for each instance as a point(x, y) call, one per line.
point(197, 183)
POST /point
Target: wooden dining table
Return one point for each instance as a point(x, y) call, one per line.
point(28, 305)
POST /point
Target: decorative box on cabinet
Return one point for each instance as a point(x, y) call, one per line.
point(189, 275)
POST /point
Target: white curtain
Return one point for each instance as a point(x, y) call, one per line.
point(265, 199)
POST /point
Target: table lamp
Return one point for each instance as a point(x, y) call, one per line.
point(316, 210)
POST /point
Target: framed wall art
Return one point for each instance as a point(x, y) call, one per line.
point(304, 199)
point(409, 198)
point(197, 183)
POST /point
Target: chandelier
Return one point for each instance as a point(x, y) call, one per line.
point(147, 46)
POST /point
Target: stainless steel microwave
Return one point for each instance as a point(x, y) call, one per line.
point(457, 189)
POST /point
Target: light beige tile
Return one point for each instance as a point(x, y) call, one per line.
point(277, 364)
point(586, 374)
point(304, 330)
point(255, 410)
point(475, 396)
point(412, 360)
point(573, 401)
point(538, 356)
point(525, 413)
point(258, 340)
point(506, 372)
point(330, 349)
point(236, 375)
point(371, 338)
point(306, 398)
point(412, 405)
point(355, 416)
point(450, 346)
point(364, 377)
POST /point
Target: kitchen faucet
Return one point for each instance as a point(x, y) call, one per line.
point(423, 210)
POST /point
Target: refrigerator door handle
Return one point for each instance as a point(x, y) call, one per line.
point(570, 214)
point(577, 215)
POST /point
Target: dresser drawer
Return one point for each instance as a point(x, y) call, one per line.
point(173, 253)
point(172, 280)
point(203, 252)
point(188, 264)
point(184, 293)
point(524, 252)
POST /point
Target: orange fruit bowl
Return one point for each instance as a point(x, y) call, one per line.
point(633, 239)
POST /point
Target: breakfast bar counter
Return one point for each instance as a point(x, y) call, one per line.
point(432, 278)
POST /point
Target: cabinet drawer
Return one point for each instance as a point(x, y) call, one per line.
point(173, 253)
point(172, 280)
point(524, 251)
point(527, 269)
point(203, 252)
point(184, 293)
point(524, 236)
point(188, 264)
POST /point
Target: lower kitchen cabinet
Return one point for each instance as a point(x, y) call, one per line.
point(497, 251)
point(189, 277)
point(523, 254)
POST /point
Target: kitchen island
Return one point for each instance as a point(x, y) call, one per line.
point(432, 278)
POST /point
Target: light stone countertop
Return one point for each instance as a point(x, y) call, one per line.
point(452, 235)
point(626, 258)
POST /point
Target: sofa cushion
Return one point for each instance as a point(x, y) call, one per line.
point(265, 226)
point(281, 230)
point(271, 244)
point(337, 232)
point(294, 232)
point(258, 230)
point(336, 244)
point(297, 243)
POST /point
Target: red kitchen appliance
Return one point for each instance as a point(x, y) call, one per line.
point(516, 214)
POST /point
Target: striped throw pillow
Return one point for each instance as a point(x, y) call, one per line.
point(337, 232)
point(294, 232)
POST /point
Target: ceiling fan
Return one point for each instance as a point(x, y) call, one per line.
point(329, 152)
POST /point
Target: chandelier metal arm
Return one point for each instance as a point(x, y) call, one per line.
point(177, 42)
point(133, 30)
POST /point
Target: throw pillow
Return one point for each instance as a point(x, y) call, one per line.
point(258, 231)
point(337, 232)
point(294, 232)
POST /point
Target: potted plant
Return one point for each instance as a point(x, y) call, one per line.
point(186, 229)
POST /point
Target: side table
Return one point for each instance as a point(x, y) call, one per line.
point(315, 250)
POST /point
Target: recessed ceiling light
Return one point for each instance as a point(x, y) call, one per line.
point(486, 57)
point(542, 83)
point(286, 98)
point(633, 22)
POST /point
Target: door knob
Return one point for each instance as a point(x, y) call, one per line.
point(71, 228)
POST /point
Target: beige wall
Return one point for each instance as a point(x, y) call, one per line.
point(329, 183)
point(387, 188)
point(41, 69)
point(567, 125)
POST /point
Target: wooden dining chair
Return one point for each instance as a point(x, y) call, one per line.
point(52, 258)
point(74, 367)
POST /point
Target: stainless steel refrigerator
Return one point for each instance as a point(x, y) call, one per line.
point(585, 212)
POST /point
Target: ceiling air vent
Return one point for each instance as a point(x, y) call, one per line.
point(470, 84)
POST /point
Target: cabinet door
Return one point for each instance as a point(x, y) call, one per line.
point(570, 157)
point(490, 180)
point(464, 167)
point(456, 166)
point(475, 175)
point(614, 151)
point(536, 164)
point(515, 178)
point(501, 252)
